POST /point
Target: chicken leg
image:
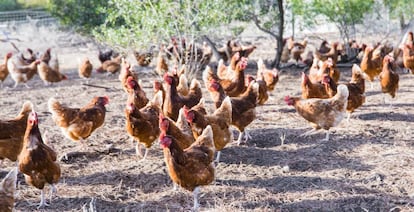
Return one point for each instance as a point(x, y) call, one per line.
point(196, 192)
point(349, 117)
point(42, 200)
point(145, 154)
point(52, 191)
point(218, 157)
point(384, 100)
point(243, 137)
point(132, 140)
point(81, 146)
point(239, 140)
point(175, 186)
point(16, 83)
point(138, 151)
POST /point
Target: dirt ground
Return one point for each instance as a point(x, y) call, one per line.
point(366, 166)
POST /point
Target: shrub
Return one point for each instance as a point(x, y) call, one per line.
point(6, 5)
point(85, 14)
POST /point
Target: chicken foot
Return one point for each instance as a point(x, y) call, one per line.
point(81, 146)
point(314, 131)
point(327, 136)
point(308, 133)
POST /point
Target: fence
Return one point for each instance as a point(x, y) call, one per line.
point(25, 16)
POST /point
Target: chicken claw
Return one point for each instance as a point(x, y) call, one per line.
point(247, 136)
point(64, 157)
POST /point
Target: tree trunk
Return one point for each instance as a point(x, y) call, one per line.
point(402, 22)
point(293, 24)
point(213, 47)
point(279, 37)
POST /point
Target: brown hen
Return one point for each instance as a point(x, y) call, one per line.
point(12, 133)
point(192, 167)
point(37, 161)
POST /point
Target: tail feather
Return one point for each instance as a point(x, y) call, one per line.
point(54, 106)
point(182, 123)
point(157, 100)
point(206, 138)
point(195, 84)
point(59, 112)
point(225, 110)
point(205, 75)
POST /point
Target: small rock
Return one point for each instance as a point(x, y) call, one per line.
point(285, 169)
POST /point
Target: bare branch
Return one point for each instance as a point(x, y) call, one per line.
point(257, 23)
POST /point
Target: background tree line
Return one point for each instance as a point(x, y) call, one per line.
point(142, 23)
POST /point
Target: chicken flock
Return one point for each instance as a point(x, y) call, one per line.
point(191, 133)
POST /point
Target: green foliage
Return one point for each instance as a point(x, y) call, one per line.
point(140, 23)
point(83, 13)
point(33, 3)
point(298, 7)
point(406, 7)
point(268, 16)
point(400, 8)
point(6, 5)
point(344, 12)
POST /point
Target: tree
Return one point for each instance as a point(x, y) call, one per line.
point(401, 9)
point(344, 13)
point(268, 16)
point(7, 5)
point(79, 13)
point(138, 23)
point(296, 8)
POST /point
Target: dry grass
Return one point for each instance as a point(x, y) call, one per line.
point(366, 166)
